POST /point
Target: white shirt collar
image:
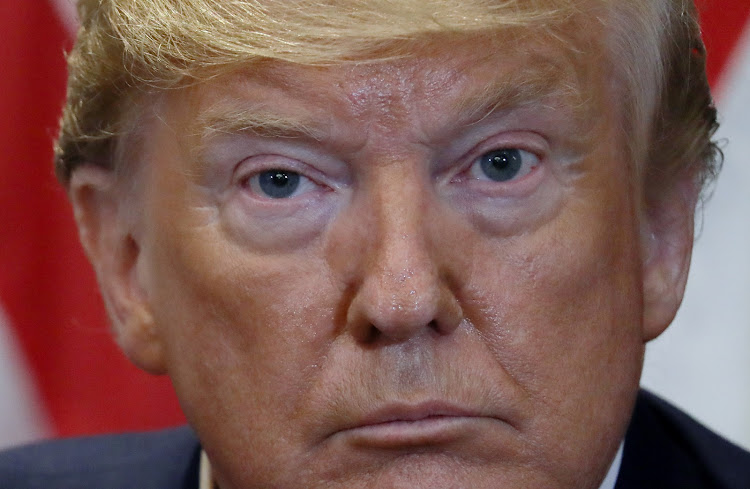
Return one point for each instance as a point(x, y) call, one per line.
point(205, 477)
point(614, 470)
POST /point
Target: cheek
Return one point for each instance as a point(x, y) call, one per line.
point(244, 332)
point(581, 267)
point(559, 303)
point(561, 313)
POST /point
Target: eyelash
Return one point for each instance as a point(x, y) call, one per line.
point(529, 147)
point(469, 170)
point(503, 165)
point(249, 179)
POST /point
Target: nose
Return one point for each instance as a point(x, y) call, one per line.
point(401, 288)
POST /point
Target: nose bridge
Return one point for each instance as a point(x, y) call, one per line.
point(400, 263)
point(399, 245)
point(400, 292)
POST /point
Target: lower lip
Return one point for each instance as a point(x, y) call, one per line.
point(430, 431)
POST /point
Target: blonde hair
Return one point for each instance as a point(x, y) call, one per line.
point(126, 48)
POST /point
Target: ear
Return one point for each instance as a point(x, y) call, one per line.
point(668, 233)
point(105, 227)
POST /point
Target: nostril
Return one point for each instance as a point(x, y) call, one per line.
point(371, 335)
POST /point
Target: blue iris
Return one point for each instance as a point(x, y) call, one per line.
point(501, 165)
point(278, 184)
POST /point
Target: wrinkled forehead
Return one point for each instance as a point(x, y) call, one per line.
point(509, 71)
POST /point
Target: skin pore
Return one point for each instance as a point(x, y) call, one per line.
point(425, 272)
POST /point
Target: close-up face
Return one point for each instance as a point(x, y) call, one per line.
point(422, 272)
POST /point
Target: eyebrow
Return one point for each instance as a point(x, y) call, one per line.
point(552, 85)
point(243, 119)
point(257, 121)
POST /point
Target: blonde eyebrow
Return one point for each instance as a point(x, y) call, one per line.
point(551, 86)
point(260, 122)
point(256, 121)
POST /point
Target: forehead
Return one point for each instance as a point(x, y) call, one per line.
point(442, 81)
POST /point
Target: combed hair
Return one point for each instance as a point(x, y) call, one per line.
point(126, 49)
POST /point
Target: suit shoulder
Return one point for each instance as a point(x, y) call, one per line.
point(666, 448)
point(162, 459)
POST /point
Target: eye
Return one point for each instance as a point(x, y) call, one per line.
point(278, 184)
point(502, 165)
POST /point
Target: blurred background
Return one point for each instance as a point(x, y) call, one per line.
point(61, 375)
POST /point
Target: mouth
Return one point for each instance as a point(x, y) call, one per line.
point(425, 424)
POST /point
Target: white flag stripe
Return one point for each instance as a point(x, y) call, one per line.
point(701, 362)
point(66, 10)
point(21, 418)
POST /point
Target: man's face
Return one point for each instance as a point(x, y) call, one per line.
point(417, 273)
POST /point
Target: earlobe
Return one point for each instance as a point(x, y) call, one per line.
point(106, 232)
point(667, 236)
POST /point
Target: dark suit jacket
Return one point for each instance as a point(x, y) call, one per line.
point(664, 449)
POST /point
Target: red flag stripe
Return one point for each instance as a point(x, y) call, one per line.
point(46, 284)
point(723, 22)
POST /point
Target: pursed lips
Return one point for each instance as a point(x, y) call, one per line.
point(431, 423)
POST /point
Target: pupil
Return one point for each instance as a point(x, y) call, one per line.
point(502, 165)
point(278, 184)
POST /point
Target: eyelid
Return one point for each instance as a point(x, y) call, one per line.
point(257, 164)
point(304, 186)
point(250, 168)
point(530, 142)
point(526, 169)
